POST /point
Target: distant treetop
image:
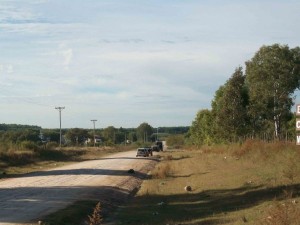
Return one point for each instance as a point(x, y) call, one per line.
point(9, 127)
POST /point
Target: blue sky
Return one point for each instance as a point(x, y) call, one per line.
point(126, 62)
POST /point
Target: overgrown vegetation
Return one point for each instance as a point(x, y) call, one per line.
point(255, 104)
point(252, 183)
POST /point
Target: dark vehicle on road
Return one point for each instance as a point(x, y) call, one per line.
point(158, 146)
point(150, 151)
point(143, 152)
point(155, 148)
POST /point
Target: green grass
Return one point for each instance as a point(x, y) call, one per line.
point(230, 185)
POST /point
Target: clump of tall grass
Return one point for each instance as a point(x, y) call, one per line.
point(265, 149)
point(162, 170)
point(15, 158)
point(96, 218)
point(17, 154)
point(215, 149)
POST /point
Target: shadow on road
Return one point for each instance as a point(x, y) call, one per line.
point(156, 159)
point(16, 208)
point(82, 171)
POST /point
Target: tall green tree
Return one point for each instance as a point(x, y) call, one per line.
point(144, 131)
point(272, 76)
point(201, 132)
point(230, 107)
point(109, 134)
point(77, 135)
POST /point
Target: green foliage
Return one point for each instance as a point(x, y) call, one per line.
point(77, 135)
point(230, 108)
point(272, 77)
point(18, 139)
point(144, 131)
point(28, 145)
point(51, 135)
point(12, 136)
point(255, 105)
point(52, 145)
point(175, 140)
point(109, 134)
point(132, 136)
point(201, 131)
point(174, 130)
point(15, 127)
point(18, 136)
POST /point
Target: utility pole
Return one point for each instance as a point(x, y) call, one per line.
point(94, 121)
point(125, 138)
point(60, 109)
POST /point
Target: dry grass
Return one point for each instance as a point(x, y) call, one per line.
point(282, 213)
point(96, 218)
point(233, 185)
point(162, 171)
point(15, 161)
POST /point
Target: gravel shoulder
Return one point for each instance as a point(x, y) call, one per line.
point(26, 199)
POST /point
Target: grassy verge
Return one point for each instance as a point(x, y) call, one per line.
point(255, 183)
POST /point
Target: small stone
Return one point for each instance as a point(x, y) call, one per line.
point(188, 188)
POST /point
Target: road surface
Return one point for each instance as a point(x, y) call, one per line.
point(25, 200)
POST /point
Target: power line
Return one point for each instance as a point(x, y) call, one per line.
point(60, 109)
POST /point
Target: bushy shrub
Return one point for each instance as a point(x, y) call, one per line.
point(51, 145)
point(17, 158)
point(4, 147)
point(162, 171)
point(175, 141)
point(28, 145)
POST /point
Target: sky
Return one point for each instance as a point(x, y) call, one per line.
point(125, 62)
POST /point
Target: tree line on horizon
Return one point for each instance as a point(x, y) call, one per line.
point(255, 103)
point(26, 136)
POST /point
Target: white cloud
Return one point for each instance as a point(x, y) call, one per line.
point(11, 13)
point(67, 55)
point(125, 62)
point(10, 69)
point(6, 69)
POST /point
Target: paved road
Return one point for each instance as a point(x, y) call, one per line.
point(28, 198)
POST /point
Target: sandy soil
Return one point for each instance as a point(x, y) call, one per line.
point(25, 200)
